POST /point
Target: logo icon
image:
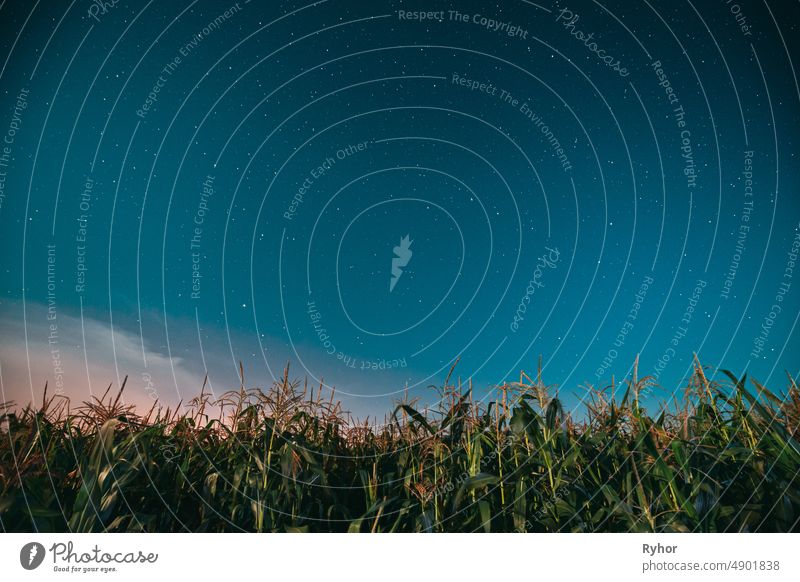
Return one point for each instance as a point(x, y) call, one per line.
point(31, 555)
point(402, 257)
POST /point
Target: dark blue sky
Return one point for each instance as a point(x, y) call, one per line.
point(189, 185)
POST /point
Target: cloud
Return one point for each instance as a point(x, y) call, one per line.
point(79, 358)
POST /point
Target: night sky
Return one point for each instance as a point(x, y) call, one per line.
point(371, 192)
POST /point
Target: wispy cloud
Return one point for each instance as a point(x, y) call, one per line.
point(79, 357)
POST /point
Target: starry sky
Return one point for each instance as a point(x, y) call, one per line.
point(372, 191)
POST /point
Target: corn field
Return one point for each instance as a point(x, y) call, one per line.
point(723, 456)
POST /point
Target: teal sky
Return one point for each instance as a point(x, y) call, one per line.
point(186, 186)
